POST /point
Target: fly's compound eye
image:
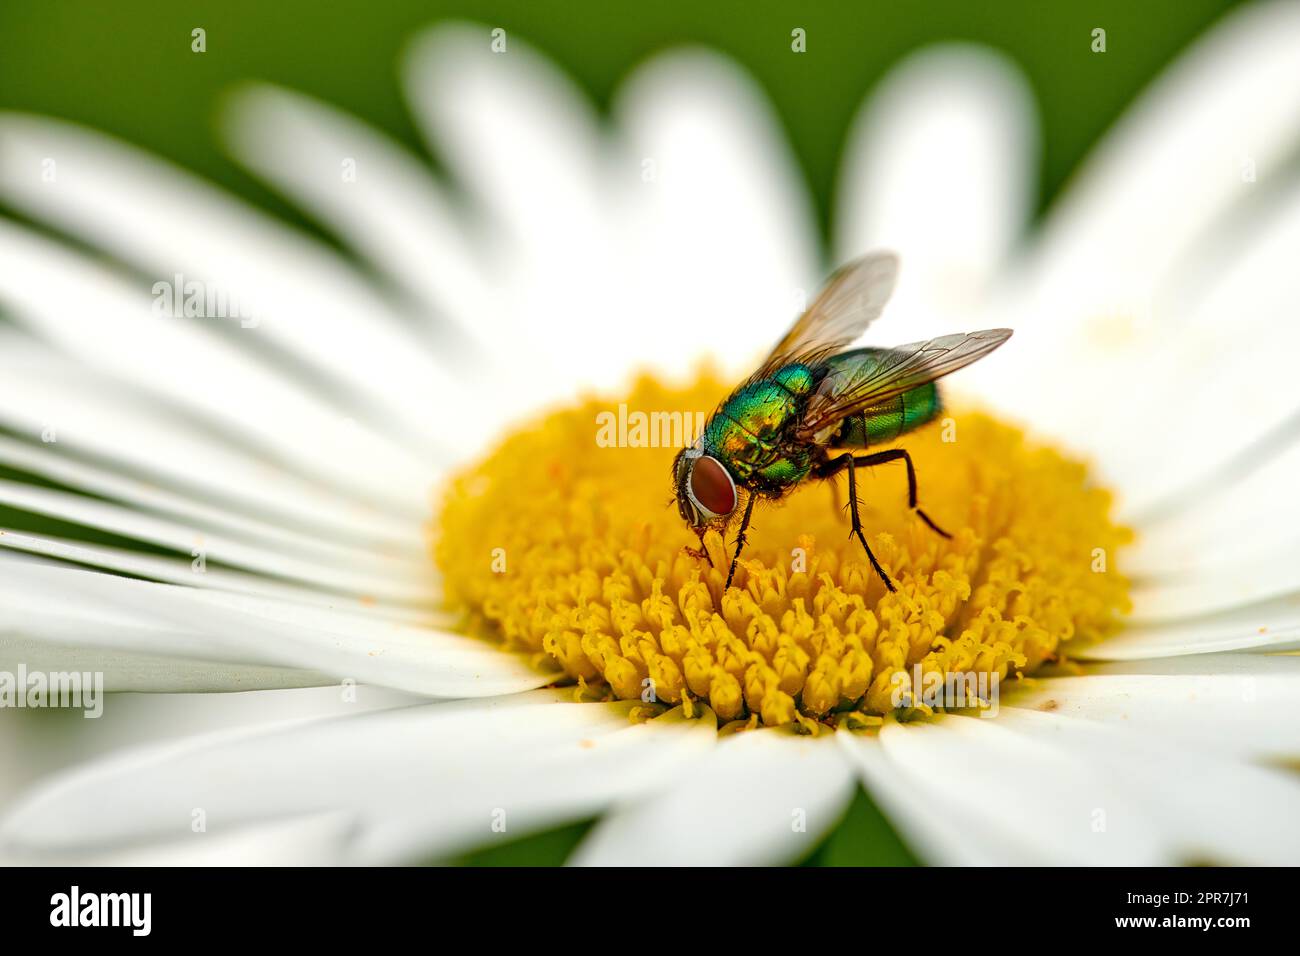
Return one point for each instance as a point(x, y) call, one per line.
point(711, 487)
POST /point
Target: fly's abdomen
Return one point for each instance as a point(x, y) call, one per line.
point(885, 422)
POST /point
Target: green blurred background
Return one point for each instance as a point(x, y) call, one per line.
point(127, 68)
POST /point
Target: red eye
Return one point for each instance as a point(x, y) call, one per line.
point(712, 487)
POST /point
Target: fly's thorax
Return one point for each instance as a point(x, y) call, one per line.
point(782, 473)
point(751, 426)
point(768, 471)
point(798, 379)
point(751, 431)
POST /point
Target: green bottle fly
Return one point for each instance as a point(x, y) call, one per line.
point(811, 403)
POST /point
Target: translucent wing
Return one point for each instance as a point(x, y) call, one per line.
point(851, 299)
point(853, 387)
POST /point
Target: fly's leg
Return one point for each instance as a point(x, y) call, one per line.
point(701, 553)
point(848, 461)
point(894, 454)
point(857, 521)
point(838, 505)
point(835, 465)
point(740, 539)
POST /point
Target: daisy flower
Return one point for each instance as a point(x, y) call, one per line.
point(361, 491)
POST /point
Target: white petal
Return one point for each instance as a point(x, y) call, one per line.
point(90, 418)
point(130, 719)
point(721, 225)
point(69, 605)
point(136, 719)
point(395, 215)
point(687, 234)
point(515, 130)
point(108, 323)
point(525, 143)
point(126, 670)
point(397, 580)
point(46, 461)
point(1240, 704)
point(934, 834)
point(940, 165)
point(181, 571)
point(759, 797)
point(1240, 519)
point(416, 782)
point(391, 211)
point(1148, 228)
point(999, 799)
point(312, 840)
point(1199, 805)
point(315, 305)
point(1270, 626)
point(1174, 161)
point(1222, 363)
point(1217, 586)
point(565, 780)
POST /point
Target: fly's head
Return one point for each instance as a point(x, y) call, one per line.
point(705, 490)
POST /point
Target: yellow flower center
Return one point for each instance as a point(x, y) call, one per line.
point(563, 542)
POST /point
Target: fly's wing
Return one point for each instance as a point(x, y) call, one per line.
point(850, 301)
point(853, 387)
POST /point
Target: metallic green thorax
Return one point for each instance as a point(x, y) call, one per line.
point(752, 433)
